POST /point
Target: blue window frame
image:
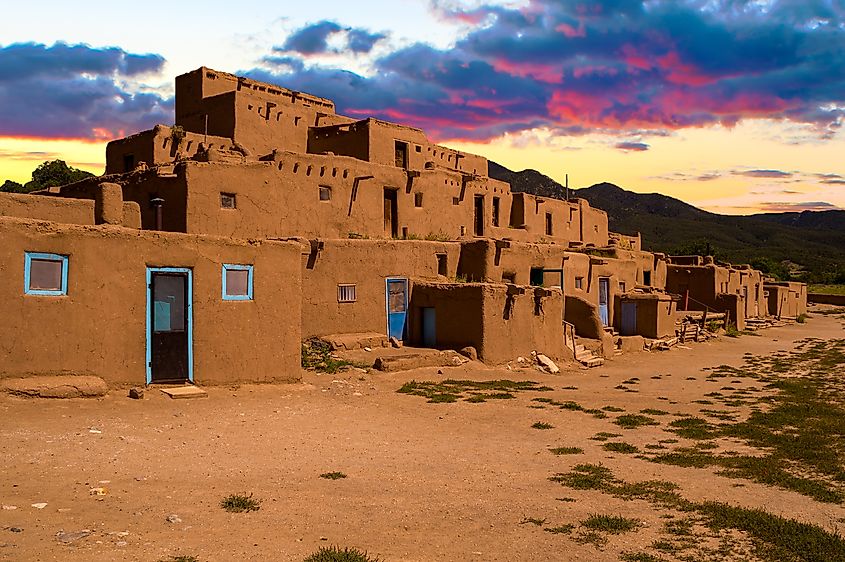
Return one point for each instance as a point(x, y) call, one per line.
point(45, 274)
point(237, 282)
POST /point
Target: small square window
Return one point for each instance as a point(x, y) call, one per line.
point(579, 282)
point(346, 293)
point(228, 201)
point(45, 274)
point(237, 282)
point(325, 193)
point(418, 198)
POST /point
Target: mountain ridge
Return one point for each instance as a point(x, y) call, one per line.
point(814, 240)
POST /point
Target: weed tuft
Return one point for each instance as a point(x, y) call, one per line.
point(240, 503)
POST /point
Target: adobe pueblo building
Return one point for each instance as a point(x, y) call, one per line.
point(211, 249)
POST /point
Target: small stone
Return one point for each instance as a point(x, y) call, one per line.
point(470, 353)
point(368, 349)
point(136, 393)
point(547, 363)
point(71, 537)
point(395, 342)
point(16, 529)
point(94, 430)
point(520, 359)
point(40, 505)
point(173, 518)
point(9, 507)
point(99, 491)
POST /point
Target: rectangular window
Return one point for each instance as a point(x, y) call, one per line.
point(325, 193)
point(647, 278)
point(237, 282)
point(548, 224)
point(496, 207)
point(227, 201)
point(622, 286)
point(128, 162)
point(418, 198)
point(346, 293)
point(571, 214)
point(579, 282)
point(45, 274)
point(401, 154)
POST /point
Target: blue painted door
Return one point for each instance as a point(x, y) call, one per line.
point(604, 294)
point(629, 318)
point(397, 307)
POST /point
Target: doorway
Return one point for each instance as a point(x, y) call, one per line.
point(604, 298)
point(391, 210)
point(169, 325)
point(397, 306)
point(629, 318)
point(479, 215)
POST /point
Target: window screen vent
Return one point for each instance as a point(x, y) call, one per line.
point(346, 293)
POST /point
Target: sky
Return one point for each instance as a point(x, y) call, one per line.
point(735, 106)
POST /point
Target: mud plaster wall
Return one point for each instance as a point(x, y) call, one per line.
point(655, 316)
point(787, 299)
point(99, 328)
point(282, 198)
point(502, 322)
point(701, 281)
point(55, 209)
point(158, 147)
point(366, 264)
point(141, 187)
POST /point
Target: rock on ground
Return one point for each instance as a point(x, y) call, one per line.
point(59, 386)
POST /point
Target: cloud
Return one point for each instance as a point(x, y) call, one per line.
point(76, 91)
point(834, 182)
point(313, 39)
point(786, 207)
point(764, 174)
point(632, 146)
point(613, 65)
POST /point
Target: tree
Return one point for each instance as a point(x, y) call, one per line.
point(52, 173)
point(10, 186)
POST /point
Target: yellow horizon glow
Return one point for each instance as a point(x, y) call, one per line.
point(20, 156)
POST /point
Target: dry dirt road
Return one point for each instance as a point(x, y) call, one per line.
point(425, 481)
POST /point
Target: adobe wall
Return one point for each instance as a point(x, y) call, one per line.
point(655, 314)
point(352, 139)
point(158, 147)
point(700, 281)
point(282, 198)
point(139, 188)
point(366, 264)
point(55, 209)
point(821, 298)
point(99, 327)
point(259, 116)
point(786, 299)
point(501, 321)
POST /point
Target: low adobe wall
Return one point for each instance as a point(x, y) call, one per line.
point(502, 322)
point(820, 298)
point(99, 327)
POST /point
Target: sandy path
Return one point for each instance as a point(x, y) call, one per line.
point(425, 481)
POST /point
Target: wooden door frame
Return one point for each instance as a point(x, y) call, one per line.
point(149, 322)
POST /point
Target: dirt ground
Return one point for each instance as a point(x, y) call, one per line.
point(425, 481)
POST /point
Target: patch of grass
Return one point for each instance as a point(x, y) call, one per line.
point(692, 428)
point(333, 475)
point(560, 530)
point(613, 409)
point(533, 521)
point(654, 412)
point(626, 448)
point(542, 425)
point(801, 318)
point(731, 331)
point(612, 524)
point(336, 554)
point(774, 537)
point(604, 436)
point(598, 414)
point(180, 558)
point(567, 451)
point(451, 390)
point(633, 421)
point(317, 356)
point(240, 503)
point(640, 557)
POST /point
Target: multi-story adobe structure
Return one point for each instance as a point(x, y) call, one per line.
point(211, 248)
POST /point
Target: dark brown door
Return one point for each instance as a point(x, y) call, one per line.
point(401, 155)
point(169, 326)
point(479, 215)
point(391, 224)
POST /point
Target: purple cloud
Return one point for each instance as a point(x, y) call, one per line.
point(75, 91)
point(632, 146)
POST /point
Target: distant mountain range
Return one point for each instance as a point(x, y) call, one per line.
point(809, 244)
